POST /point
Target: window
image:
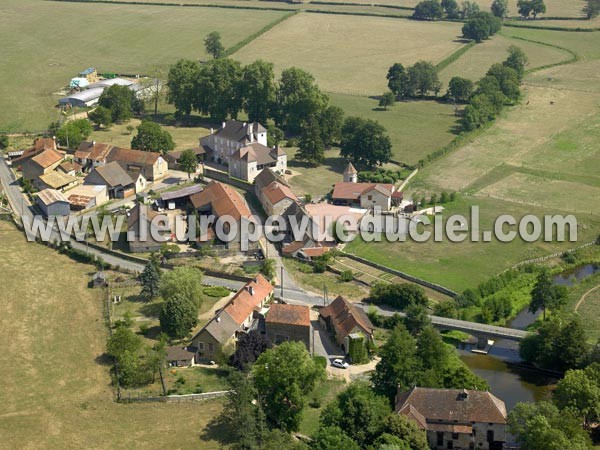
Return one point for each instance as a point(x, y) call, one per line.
point(450, 445)
point(490, 436)
point(440, 438)
point(370, 197)
point(455, 436)
point(200, 345)
point(211, 348)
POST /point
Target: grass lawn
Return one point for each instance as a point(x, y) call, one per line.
point(589, 308)
point(117, 134)
point(351, 54)
point(476, 61)
point(48, 43)
point(325, 392)
point(582, 24)
point(587, 44)
point(315, 180)
point(56, 387)
point(316, 281)
point(416, 128)
point(462, 265)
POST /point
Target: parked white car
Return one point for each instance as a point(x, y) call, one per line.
point(340, 364)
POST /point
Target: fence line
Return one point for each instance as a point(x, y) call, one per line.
point(173, 398)
point(554, 255)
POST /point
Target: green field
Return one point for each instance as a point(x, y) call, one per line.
point(416, 128)
point(45, 44)
point(476, 61)
point(351, 54)
point(56, 388)
point(462, 265)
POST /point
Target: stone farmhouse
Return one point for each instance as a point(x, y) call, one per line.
point(289, 323)
point(118, 182)
point(151, 165)
point(457, 419)
point(345, 319)
point(239, 315)
point(242, 147)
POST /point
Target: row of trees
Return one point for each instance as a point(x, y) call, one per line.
point(420, 79)
point(449, 9)
point(499, 87)
point(591, 9)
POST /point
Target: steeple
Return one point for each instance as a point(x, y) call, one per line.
point(350, 174)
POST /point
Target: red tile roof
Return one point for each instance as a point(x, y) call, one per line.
point(276, 192)
point(47, 158)
point(289, 314)
point(223, 200)
point(345, 317)
point(353, 191)
point(133, 156)
point(248, 298)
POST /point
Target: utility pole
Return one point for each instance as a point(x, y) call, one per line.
point(281, 282)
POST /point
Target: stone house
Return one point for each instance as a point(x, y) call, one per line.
point(117, 181)
point(233, 135)
point(363, 195)
point(36, 163)
point(457, 419)
point(343, 318)
point(276, 198)
point(180, 356)
point(142, 234)
point(289, 323)
point(247, 162)
point(238, 316)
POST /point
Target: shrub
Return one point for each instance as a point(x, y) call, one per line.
point(315, 403)
point(320, 361)
point(144, 328)
point(305, 268)
point(346, 276)
point(319, 266)
point(216, 291)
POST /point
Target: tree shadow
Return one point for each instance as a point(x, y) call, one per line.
point(104, 359)
point(217, 430)
point(151, 309)
point(461, 40)
point(153, 333)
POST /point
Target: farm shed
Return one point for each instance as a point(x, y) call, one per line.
point(82, 99)
point(87, 196)
point(53, 203)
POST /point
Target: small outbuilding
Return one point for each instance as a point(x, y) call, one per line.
point(53, 203)
point(82, 99)
point(180, 357)
point(87, 196)
point(99, 280)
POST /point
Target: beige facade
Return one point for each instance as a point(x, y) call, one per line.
point(375, 199)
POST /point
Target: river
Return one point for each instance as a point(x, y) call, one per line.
point(508, 382)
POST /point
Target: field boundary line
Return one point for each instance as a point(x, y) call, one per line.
point(550, 28)
point(583, 297)
point(174, 398)
point(454, 56)
point(574, 55)
point(553, 255)
point(178, 5)
point(237, 47)
point(372, 5)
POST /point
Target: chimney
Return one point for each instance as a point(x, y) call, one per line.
point(223, 125)
point(251, 290)
point(212, 130)
point(93, 143)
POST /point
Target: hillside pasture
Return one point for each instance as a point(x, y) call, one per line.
point(585, 44)
point(583, 76)
point(56, 387)
point(416, 128)
point(351, 54)
point(476, 61)
point(45, 54)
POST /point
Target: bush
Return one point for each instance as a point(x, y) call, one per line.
point(315, 403)
point(144, 328)
point(216, 291)
point(305, 268)
point(346, 276)
point(319, 266)
point(320, 361)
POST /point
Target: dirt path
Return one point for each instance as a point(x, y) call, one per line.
point(583, 297)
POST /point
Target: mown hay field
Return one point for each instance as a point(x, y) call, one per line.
point(55, 383)
point(45, 44)
point(351, 54)
point(416, 128)
point(474, 63)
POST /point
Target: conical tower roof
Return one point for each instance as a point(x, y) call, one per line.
point(350, 169)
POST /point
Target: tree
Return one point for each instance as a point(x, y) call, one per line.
point(258, 90)
point(387, 99)
point(178, 316)
point(416, 319)
point(451, 9)
point(274, 135)
point(298, 97)
point(365, 142)
point(101, 116)
point(150, 279)
point(123, 340)
point(579, 391)
point(283, 376)
point(591, 9)
point(423, 78)
point(188, 161)
point(151, 137)
point(460, 89)
point(397, 77)
point(476, 29)
point(500, 8)
point(399, 365)
point(217, 89)
point(331, 120)
point(541, 426)
point(74, 132)
point(311, 147)
point(524, 7)
point(468, 9)
point(407, 430)
point(359, 412)
point(428, 10)
point(213, 45)
point(508, 80)
point(240, 408)
point(268, 268)
point(517, 60)
point(181, 84)
point(185, 282)
point(546, 295)
point(120, 101)
point(248, 348)
point(537, 7)
point(3, 141)
point(448, 308)
point(398, 295)
point(333, 438)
